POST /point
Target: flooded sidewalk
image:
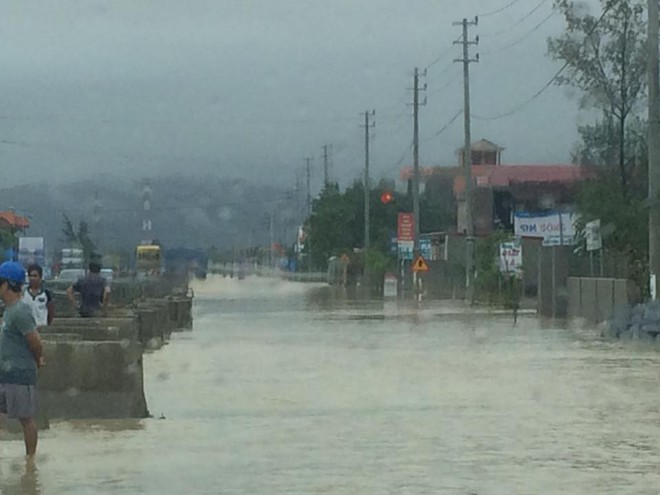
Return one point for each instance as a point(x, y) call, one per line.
point(283, 388)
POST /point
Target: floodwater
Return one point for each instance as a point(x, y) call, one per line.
point(280, 389)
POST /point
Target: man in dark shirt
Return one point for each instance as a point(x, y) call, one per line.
point(93, 290)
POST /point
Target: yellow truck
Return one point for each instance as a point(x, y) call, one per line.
point(148, 260)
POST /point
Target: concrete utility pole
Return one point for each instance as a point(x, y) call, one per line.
point(653, 147)
point(367, 183)
point(272, 240)
point(327, 150)
point(467, 154)
point(415, 185)
point(308, 171)
point(297, 189)
point(308, 242)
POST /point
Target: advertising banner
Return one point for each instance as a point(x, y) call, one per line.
point(31, 250)
point(554, 228)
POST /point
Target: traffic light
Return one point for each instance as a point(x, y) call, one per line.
point(387, 197)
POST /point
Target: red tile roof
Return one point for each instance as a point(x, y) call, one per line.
point(507, 175)
point(12, 220)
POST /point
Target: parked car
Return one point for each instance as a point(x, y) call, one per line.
point(71, 274)
point(108, 274)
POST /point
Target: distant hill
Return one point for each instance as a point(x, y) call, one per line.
point(186, 211)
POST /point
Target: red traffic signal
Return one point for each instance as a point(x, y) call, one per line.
point(386, 197)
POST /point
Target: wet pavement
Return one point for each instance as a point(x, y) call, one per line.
point(285, 388)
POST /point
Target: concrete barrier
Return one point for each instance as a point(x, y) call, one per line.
point(597, 299)
point(151, 334)
point(94, 365)
point(588, 307)
point(100, 329)
point(574, 287)
point(92, 380)
point(604, 298)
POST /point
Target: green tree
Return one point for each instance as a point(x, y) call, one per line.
point(7, 240)
point(605, 58)
point(336, 225)
point(80, 237)
point(624, 223)
point(331, 227)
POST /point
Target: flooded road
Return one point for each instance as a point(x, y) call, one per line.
point(278, 391)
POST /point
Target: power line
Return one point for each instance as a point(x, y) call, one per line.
point(447, 84)
point(178, 122)
point(501, 9)
point(440, 57)
point(552, 79)
point(404, 154)
point(446, 126)
point(519, 21)
point(524, 37)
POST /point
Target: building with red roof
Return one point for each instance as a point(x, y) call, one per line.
point(12, 221)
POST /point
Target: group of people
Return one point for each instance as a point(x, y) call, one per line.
point(28, 308)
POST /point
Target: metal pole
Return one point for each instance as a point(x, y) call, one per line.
point(653, 143)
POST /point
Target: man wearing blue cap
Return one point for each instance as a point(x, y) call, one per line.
point(20, 355)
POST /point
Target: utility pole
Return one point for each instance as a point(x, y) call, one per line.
point(415, 188)
point(653, 147)
point(272, 240)
point(467, 155)
point(308, 171)
point(297, 189)
point(367, 184)
point(327, 150)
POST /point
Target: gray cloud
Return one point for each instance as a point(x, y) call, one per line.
point(250, 87)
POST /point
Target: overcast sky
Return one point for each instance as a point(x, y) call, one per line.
point(249, 88)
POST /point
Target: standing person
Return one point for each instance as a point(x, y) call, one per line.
point(39, 298)
point(93, 290)
point(20, 355)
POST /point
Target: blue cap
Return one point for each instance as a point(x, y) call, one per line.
point(12, 271)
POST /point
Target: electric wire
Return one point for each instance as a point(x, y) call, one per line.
point(522, 105)
point(501, 9)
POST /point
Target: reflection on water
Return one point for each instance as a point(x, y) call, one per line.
point(289, 389)
point(21, 478)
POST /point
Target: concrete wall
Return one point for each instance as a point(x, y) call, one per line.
point(552, 272)
point(597, 299)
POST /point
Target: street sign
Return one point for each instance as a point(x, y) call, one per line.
point(406, 227)
point(593, 236)
point(420, 265)
point(511, 257)
point(406, 249)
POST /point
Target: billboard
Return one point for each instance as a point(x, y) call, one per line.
point(31, 250)
point(554, 228)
